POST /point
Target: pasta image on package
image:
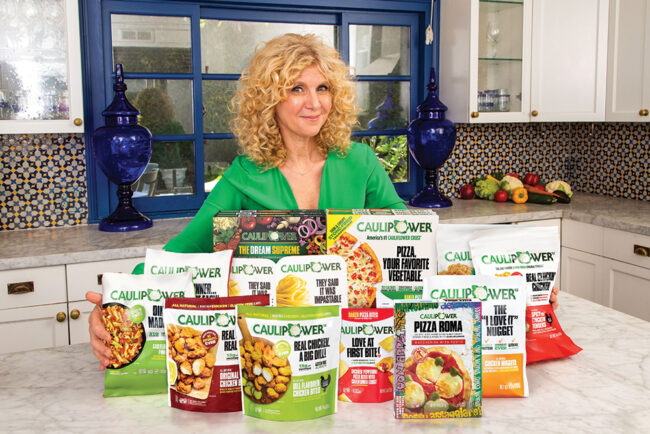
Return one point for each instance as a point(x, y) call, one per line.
point(252, 276)
point(133, 316)
point(437, 360)
point(503, 326)
point(311, 281)
point(288, 361)
point(202, 352)
point(367, 355)
point(532, 252)
point(209, 270)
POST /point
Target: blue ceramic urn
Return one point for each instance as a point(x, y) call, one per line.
point(431, 139)
point(122, 149)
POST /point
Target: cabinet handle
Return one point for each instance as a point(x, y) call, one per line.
point(534, 113)
point(78, 122)
point(60, 317)
point(99, 279)
point(74, 313)
point(641, 250)
point(643, 112)
point(474, 114)
point(20, 288)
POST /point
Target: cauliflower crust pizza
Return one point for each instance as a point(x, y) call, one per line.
point(364, 270)
point(436, 376)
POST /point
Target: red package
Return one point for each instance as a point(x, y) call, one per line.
point(544, 336)
point(367, 355)
point(202, 352)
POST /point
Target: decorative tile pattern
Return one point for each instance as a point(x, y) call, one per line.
point(42, 181)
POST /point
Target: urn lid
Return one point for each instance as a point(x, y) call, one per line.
point(432, 104)
point(120, 111)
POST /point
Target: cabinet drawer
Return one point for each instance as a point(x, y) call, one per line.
point(628, 287)
point(86, 276)
point(619, 245)
point(32, 287)
point(31, 328)
point(545, 222)
point(582, 236)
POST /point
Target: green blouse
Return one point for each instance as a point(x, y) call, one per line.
point(355, 181)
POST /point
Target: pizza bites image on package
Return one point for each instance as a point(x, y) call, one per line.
point(385, 250)
point(288, 361)
point(270, 234)
point(202, 352)
point(312, 280)
point(132, 313)
point(532, 252)
point(209, 270)
point(367, 355)
point(252, 276)
point(503, 326)
point(437, 360)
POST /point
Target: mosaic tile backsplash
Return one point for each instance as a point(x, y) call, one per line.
point(44, 175)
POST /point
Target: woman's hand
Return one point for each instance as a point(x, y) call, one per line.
point(98, 334)
point(553, 299)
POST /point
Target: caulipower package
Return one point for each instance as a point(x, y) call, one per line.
point(133, 315)
point(288, 359)
point(367, 355)
point(437, 360)
point(389, 298)
point(385, 250)
point(311, 281)
point(209, 270)
point(532, 252)
point(503, 326)
point(454, 257)
point(252, 276)
point(202, 353)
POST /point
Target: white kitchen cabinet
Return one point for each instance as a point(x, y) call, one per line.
point(581, 275)
point(30, 328)
point(628, 69)
point(32, 287)
point(78, 313)
point(40, 68)
point(86, 276)
point(549, 56)
point(628, 287)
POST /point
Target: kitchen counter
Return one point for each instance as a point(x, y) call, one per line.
point(603, 388)
point(44, 247)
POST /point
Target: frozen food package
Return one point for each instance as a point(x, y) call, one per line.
point(389, 298)
point(288, 360)
point(367, 355)
point(452, 240)
point(311, 280)
point(252, 276)
point(202, 352)
point(209, 270)
point(534, 253)
point(133, 315)
point(385, 250)
point(503, 326)
point(437, 359)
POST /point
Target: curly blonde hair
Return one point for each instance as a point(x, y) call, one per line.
point(270, 74)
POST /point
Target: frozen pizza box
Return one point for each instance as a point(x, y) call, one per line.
point(269, 234)
point(437, 360)
point(385, 250)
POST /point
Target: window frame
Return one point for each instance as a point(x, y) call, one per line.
point(96, 38)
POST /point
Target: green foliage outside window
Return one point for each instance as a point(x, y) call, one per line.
point(392, 153)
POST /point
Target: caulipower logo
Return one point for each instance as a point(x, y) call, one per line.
point(478, 292)
point(399, 226)
point(367, 330)
point(523, 258)
point(293, 330)
point(316, 267)
point(437, 315)
point(149, 294)
point(218, 319)
point(250, 270)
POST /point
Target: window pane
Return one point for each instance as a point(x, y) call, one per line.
point(151, 43)
point(384, 105)
point(175, 164)
point(227, 46)
point(392, 153)
point(380, 50)
point(218, 155)
point(165, 105)
point(216, 99)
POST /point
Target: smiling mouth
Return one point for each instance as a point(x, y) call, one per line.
point(311, 118)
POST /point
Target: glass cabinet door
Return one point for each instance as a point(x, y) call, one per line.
point(501, 61)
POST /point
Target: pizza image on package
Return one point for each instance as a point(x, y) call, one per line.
point(389, 250)
point(437, 360)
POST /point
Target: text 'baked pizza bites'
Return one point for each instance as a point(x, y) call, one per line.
point(503, 326)
point(202, 354)
point(437, 360)
point(385, 250)
point(367, 358)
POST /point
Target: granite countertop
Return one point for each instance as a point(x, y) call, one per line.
point(603, 388)
point(44, 247)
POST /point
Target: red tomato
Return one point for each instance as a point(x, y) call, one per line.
point(467, 191)
point(264, 220)
point(531, 179)
point(248, 223)
point(501, 196)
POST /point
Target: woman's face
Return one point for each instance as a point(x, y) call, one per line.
point(306, 108)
